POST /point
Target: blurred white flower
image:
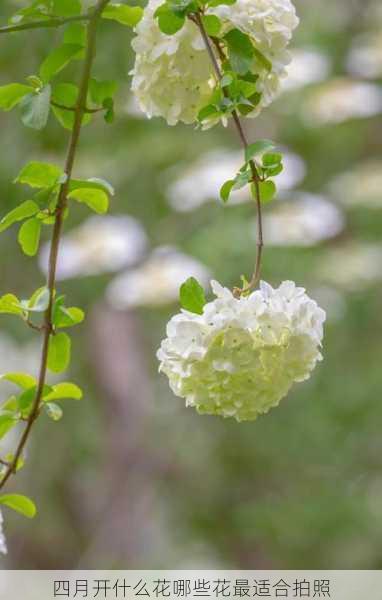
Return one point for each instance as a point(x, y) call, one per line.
point(173, 76)
point(339, 100)
point(351, 266)
point(362, 186)
point(99, 245)
point(307, 66)
point(156, 281)
point(304, 221)
point(365, 56)
point(241, 356)
point(202, 180)
point(3, 543)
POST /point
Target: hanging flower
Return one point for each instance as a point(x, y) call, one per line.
point(3, 545)
point(240, 357)
point(173, 76)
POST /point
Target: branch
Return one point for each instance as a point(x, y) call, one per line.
point(255, 175)
point(57, 229)
point(54, 22)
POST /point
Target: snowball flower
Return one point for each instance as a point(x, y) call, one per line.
point(3, 545)
point(240, 357)
point(173, 76)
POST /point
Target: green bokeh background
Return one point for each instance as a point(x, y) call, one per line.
point(155, 485)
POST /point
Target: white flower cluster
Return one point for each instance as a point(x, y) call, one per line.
point(173, 76)
point(242, 355)
point(3, 544)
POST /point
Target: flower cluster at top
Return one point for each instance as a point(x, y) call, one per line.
point(240, 356)
point(173, 76)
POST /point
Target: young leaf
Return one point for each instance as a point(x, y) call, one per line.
point(35, 108)
point(29, 236)
point(58, 59)
point(68, 317)
point(59, 352)
point(66, 95)
point(39, 301)
point(54, 411)
point(168, 22)
point(126, 15)
point(101, 90)
point(240, 49)
point(19, 503)
point(39, 175)
point(258, 148)
point(219, 2)
point(10, 304)
point(95, 183)
point(12, 94)
point(64, 390)
point(226, 189)
point(95, 198)
point(75, 34)
point(23, 380)
point(28, 397)
point(192, 296)
point(25, 210)
point(6, 424)
point(212, 24)
point(267, 191)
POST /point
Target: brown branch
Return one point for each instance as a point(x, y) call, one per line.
point(255, 175)
point(53, 22)
point(73, 108)
point(94, 16)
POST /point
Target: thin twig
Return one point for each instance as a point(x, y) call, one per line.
point(255, 175)
point(54, 22)
point(93, 19)
point(73, 108)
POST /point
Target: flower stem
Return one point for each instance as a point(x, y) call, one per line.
point(80, 109)
point(255, 175)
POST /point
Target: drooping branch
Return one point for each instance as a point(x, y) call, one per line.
point(255, 175)
point(43, 23)
point(47, 330)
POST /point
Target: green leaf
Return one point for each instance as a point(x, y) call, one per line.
point(207, 112)
point(68, 317)
point(168, 22)
point(39, 301)
point(267, 191)
point(6, 424)
point(272, 159)
point(23, 211)
point(40, 175)
point(54, 411)
point(240, 50)
point(59, 352)
point(10, 304)
point(19, 503)
point(212, 24)
point(101, 90)
point(64, 390)
point(126, 15)
point(66, 8)
point(95, 198)
point(58, 59)
point(27, 398)
point(66, 94)
point(75, 34)
point(192, 296)
point(12, 94)
point(258, 148)
point(35, 108)
point(226, 189)
point(95, 183)
point(10, 404)
point(23, 380)
point(29, 236)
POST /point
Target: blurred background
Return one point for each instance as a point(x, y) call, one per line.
point(130, 478)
